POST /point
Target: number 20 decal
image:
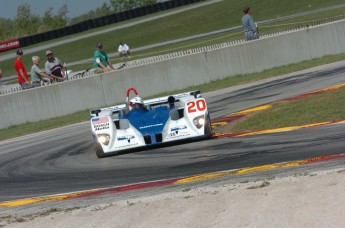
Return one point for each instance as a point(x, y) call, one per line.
point(194, 106)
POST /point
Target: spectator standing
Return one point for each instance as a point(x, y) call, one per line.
point(123, 50)
point(54, 67)
point(23, 77)
point(36, 74)
point(101, 60)
point(249, 26)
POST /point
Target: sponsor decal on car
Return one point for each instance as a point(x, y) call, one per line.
point(100, 120)
point(183, 127)
point(178, 135)
point(182, 95)
point(126, 137)
point(178, 132)
point(102, 126)
point(128, 145)
point(100, 123)
point(153, 125)
point(172, 134)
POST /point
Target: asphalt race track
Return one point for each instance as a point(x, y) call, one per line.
point(63, 160)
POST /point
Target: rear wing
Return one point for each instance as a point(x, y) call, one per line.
point(151, 102)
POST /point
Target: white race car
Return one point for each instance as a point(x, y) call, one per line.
point(139, 124)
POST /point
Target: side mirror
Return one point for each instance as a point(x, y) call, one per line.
point(171, 101)
point(95, 112)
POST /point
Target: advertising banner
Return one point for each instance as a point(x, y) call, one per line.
point(10, 44)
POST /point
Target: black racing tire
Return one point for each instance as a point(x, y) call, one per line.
point(99, 151)
point(208, 128)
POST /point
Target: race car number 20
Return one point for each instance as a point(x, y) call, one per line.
point(198, 105)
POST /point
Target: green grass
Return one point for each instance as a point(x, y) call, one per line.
point(221, 15)
point(28, 128)
point(328, 106)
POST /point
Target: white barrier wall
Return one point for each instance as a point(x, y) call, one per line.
point(50, 101)
point(327, 40)
point(172, 74)
point(258, 55)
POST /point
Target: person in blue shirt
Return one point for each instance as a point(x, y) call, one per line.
point(250, 28)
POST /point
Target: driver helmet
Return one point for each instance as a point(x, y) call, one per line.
point(136, 103)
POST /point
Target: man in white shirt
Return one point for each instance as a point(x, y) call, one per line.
point(123, 50)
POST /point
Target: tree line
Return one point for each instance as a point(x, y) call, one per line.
point(27, 23)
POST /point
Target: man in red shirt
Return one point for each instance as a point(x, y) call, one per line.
point(23, 77)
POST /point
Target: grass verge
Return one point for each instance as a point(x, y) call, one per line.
point(28, 128)
point(324, 107)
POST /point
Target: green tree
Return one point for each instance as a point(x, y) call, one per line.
point(121, 5)
point(104, 10)
point(6, 29)
point(25, 22)
point(47, 20)
point(60, 20)
point(22, 20)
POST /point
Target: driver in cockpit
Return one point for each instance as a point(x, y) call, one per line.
point(136, 103)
